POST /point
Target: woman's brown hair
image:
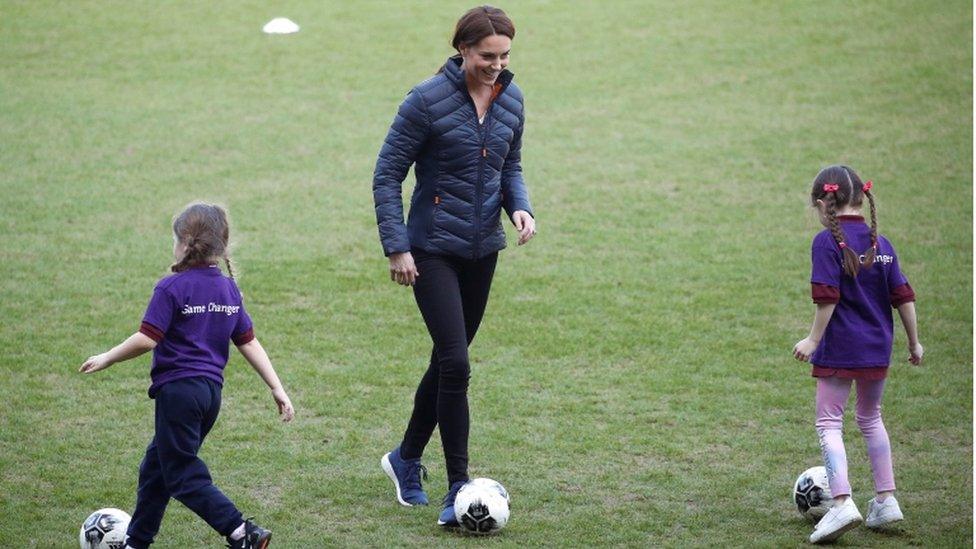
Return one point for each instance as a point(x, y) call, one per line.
point(839, 186)
point(479, 23)
point(204, 230)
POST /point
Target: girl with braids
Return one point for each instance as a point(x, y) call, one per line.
point(192, 317)
point(856, 282)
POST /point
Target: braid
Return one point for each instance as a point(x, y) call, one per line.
point(181, 265)
point(196, 253)
point(870, 254)
point(178, 266)
point(857, 199)
point(230, 269)
point(849, 258)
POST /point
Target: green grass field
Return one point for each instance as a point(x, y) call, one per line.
point(632, 382)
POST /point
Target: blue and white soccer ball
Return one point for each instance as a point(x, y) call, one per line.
point(811, 493)
point(482, 506)
point(104, 529)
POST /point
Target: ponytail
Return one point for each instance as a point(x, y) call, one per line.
point(197, 253)
point(849, 259)
point(230, 269)
point(872, 252)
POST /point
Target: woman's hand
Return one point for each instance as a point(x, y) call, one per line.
point(524, 224)
point(402, 269)
point(915, 353)
point(95, 363)
point(804, 348)
point(284, 404)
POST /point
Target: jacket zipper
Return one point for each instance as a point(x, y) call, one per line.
point(483, 130)
point(479, 187)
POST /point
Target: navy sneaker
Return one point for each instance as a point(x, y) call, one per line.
point(448, 519)
point(255, 537)
point(406, 475)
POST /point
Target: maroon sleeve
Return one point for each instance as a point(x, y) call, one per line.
point(824, 293)
point(901, 295)
point(151, 332)
point(244, 338)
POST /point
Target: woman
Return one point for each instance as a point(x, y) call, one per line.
point(463, 130)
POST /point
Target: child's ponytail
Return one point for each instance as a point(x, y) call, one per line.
point(872, 252)
point(230, 269)
point(848, 257)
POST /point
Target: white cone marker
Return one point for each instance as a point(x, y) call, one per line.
point(280, 25)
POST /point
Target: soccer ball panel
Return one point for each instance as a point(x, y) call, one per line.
point(811, 493)
point(492, 485)
point(104, 529)
point(481, 508)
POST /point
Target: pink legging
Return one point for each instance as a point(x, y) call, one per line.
point(832, 393)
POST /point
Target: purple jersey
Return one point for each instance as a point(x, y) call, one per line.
point(861, 330)
point(193, 316)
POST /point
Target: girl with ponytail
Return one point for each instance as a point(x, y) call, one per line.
point(855, 283)
point(192, 317)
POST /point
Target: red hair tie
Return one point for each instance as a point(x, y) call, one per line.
point(867, 186)
point(842, 245)
point(830, 187)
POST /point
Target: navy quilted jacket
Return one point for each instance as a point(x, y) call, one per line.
point(466, 171)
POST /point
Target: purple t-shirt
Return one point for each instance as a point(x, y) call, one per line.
point(193, 316)
point(861, 330)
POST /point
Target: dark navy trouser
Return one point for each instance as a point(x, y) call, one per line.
point(452, 294)
point(186, 409)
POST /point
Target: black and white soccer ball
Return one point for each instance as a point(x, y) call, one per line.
point(482, 506)
point(104, 529)
point(811, 493)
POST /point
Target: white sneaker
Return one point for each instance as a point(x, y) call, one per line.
point(839, 519)
point(884, 513)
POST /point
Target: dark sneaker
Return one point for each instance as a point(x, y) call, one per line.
point(255, 537)
point(448, 519)
point(406, 475)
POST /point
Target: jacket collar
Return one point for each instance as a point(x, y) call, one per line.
point(452, 69)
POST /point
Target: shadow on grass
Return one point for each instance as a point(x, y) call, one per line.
point(461, 533)
point(892, 534)
point(859, 536)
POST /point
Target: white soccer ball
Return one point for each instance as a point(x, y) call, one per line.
point(811, 493)
point(104, 529)
point(492, 485)
point(481, 506)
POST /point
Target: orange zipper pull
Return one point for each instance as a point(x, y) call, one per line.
point(437, 200)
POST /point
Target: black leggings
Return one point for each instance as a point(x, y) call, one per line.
point(451, 293)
